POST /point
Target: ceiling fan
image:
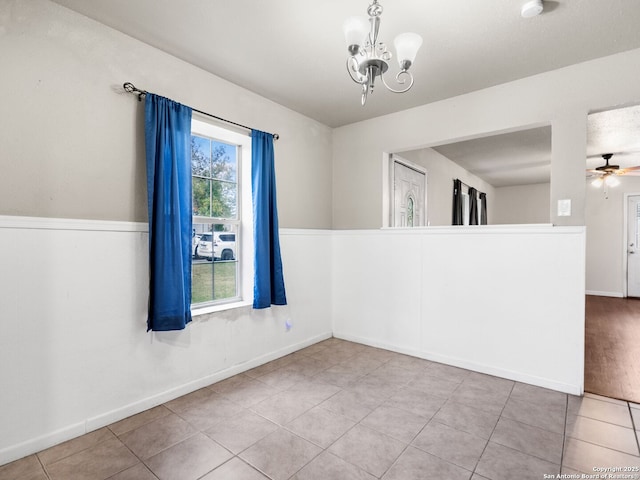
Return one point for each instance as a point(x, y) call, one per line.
point(607, 173)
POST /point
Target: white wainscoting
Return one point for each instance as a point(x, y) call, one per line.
point(74, 351)
point(507, 301)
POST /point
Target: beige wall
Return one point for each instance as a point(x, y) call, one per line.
point(606, 237)
point(72, 143)
point(562, 97)
point(522, 204)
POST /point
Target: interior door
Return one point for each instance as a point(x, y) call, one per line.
point(409, 187)
point(633, 250)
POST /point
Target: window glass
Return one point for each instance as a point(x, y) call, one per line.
point(216, 221)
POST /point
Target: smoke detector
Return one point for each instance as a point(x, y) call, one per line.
point(531, 9)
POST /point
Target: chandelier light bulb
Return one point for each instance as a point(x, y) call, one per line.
point(369, 58)
point(355, 32)
point(407, 46)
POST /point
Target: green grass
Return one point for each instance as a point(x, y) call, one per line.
point(213, 281)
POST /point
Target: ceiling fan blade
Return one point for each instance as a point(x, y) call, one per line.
point(595, 172)
point(630, 173)
point(631, 169)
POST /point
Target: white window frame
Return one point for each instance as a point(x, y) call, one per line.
point(244, 235)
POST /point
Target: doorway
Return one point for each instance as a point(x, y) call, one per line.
point(633, 252)
point(409, 188)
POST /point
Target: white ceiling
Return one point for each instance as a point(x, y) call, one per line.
point(293, 52)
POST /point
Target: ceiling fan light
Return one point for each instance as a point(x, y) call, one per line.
point(612, 181)
point(407, 46)
point(597, 183)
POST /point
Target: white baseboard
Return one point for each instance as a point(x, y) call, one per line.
point(605, 294)
point(69, 432)
point(476, 367)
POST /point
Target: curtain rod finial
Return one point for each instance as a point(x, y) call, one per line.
point(276, 136)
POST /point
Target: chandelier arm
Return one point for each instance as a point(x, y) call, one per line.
point(401, 81)
point(356, 76)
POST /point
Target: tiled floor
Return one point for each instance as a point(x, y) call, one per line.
point(344, 411)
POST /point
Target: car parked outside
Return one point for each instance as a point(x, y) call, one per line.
point(216, 246)
point(224, 246)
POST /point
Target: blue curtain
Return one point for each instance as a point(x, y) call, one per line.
point(168, 152)
point(268, 286)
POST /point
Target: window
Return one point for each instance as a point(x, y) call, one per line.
point(221, 238)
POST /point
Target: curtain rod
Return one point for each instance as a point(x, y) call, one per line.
point(131, 88)
point(466, 185)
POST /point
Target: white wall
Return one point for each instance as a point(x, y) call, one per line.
point(440, 174)
point(509, 302)
point(606, 238)
point(561, 97)
point(73, 140)
point(522, 204)
point(74, 351)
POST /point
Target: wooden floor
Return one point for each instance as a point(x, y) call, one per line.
point(612, 347)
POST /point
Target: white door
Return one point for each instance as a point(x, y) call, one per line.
point(633, 248)
point(409, 188)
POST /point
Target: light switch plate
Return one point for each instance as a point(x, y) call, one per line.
point(564, 207)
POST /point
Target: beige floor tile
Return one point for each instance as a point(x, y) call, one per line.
point(249, 393)
point(330, 467)
point(447, 372)
point(205, 414)
point(602, 398)
point(546, 416)
point(503, 463)
point(489, 382)
point(415, 464)
point(488, 400)
point(533, 441)
point(454, 446)
point(533, 394)
point(395, 422)
point(602, 433)
point(75, 445)
point(320, 426)
point(280, 454)
point(602, 410)
point(282, 407)
point(241, 431)
point(235, 469)
point(583, 456)
point(367, 449)
point(229, 384)
point(158, 435)
point(135, 421)
point(137, 472)
point(314, 392)
point(417, 402)
point(189, 459)
point(27, 468)
point(353, 405)
point(95, 463)
point(468, 419)
point(434, 385)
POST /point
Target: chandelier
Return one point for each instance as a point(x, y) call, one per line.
point(369, 58)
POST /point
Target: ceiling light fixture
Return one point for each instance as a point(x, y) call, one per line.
point(369, 58)
point(531, 9)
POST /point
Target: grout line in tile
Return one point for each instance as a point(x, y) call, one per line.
point(494, 429)
point(564, 433)
point(633, 425)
